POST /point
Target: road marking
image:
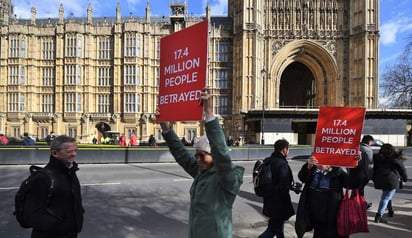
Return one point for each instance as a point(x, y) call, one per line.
point(86, 184)
point(100, 184)
point(178, 180)
point(9, 188)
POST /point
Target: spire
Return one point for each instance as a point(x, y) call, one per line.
point(89, 13)
point(61, 13)
point(208, 10)
point(33, 16)
point(118, 14)
point(148, 11)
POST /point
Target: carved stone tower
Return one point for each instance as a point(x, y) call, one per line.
point(308, 53)
point(302, 54)
point(178, 15)
point(6, 11)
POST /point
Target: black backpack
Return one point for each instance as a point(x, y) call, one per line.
point(20, 197)
point(262, 177)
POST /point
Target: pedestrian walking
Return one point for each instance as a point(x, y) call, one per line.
point(277, 204)
point(388, 173)
point(3, 139)
point(122, 141)
point(27, 140)
point(50, 137)
point(152, 141)
point(360, 175)
point(133, 140)
point(59, 215)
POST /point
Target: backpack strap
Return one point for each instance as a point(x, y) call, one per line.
point(52, 184)
point(50, 175)
point(34, 168)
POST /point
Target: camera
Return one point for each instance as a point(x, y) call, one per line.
point(296, 187)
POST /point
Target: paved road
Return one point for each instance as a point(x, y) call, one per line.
point(152, 201)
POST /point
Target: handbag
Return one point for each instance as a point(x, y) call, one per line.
point(352, 214)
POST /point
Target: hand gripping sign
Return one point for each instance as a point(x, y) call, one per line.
point(183, 66)
point(338, 134)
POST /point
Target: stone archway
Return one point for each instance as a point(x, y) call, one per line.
point(297, 87)
point(102, 127)
point(311, 60)
point(304, 73)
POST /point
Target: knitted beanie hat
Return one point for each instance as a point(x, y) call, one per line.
point(203, 144)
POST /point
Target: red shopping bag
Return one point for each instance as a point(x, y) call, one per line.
point(361, 208)
point(352, 214)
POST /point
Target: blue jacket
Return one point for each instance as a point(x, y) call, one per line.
point(213, 191)
point(28, 141)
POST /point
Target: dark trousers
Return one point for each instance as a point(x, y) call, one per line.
point(320, 230)
point(389, 207)
point(275, 228)
point(39, 234)
point(362, 186)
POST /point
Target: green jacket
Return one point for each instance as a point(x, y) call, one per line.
point(213, 191)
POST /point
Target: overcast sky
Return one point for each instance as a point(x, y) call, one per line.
point(395, 16)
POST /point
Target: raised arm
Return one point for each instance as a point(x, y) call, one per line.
point(206, 102)
point(182, 156)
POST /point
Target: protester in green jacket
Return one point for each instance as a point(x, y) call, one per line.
point(216, 179)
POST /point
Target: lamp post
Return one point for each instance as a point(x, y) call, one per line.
point(263, 72)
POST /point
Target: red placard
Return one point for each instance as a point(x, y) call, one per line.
point(338, 134)
point(183, 66)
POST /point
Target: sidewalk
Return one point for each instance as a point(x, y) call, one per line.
point(399, 226)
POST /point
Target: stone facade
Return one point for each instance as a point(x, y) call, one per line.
point(303, 54)
point(82, 76)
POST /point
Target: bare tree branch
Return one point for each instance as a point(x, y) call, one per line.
point(397, 80)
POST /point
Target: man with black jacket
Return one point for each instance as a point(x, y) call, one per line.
point(277, 204)
point(359, 177)
point(60, 215)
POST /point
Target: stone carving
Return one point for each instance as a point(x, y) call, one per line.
point(330, 46)
point(277, 45)
point(303, 18)
point(85, 117)
point(114, 117)
point(27, 117)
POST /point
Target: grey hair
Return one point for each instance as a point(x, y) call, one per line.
point(59, 141)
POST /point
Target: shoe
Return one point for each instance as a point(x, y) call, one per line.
point(380, 219)
point(368, 205)
point(390, 213)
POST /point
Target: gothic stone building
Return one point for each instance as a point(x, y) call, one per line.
point(271, 65)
